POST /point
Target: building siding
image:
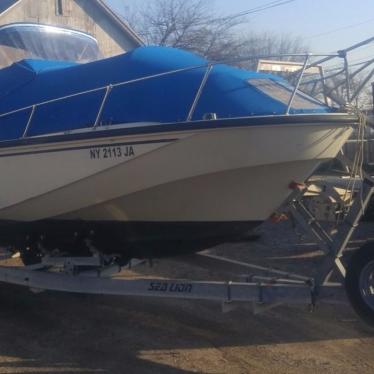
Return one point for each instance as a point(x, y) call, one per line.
point(82, 15)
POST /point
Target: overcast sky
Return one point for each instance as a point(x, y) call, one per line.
point(326, 25)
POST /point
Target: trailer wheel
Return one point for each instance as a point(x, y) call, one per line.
point(359, 282)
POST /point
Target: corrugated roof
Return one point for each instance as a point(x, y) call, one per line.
point(5, 4)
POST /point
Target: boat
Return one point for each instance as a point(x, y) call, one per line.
point(155, 152)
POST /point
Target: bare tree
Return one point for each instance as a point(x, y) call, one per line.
point(192, 25)
point(195, 25)
point(268, 44)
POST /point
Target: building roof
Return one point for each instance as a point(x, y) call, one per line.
point(121, 22)
point(7, 4)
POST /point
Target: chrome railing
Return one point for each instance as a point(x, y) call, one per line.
point(107, 89)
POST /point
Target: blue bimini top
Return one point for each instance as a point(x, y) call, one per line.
point(229, 92)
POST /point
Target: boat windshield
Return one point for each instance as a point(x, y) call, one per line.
point(281, 91)
point(35, 41)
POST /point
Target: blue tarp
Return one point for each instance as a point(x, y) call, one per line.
point(163, 99)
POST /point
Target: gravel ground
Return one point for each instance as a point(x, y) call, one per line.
point(62, 333)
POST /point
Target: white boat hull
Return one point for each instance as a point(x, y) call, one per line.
point(235, 174)
point(159, 193)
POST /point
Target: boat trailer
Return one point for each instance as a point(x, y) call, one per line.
point(341, 274)
point(65, 274)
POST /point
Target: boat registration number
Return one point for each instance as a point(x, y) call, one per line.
point(124, 151)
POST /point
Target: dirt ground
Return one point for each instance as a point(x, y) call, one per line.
point(63, 333)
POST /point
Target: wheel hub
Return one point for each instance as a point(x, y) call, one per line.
point(366, 284)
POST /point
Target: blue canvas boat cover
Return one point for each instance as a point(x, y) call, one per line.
point(229, 92)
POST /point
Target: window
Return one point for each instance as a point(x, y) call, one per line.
point(282, 92)
point(59, 9)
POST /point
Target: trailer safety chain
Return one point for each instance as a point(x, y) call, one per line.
point(260, 293)
point(229, 291)
point(313, 294)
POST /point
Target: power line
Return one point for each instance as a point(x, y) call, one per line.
point(260, 8)
point(340, 29)
point(263, 7)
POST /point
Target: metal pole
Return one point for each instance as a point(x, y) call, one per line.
point(347, 80)
point(29, 121)
point(362, 85)
point(199, 92)
point(297, 84)
point(323, 81)
point(367, 41)
point(108, 90)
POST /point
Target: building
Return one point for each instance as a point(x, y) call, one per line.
point(94, 17)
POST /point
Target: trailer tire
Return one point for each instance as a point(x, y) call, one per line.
point(359, 282)
point(30, 257)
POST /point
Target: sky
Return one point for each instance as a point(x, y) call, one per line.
point(325, 25)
